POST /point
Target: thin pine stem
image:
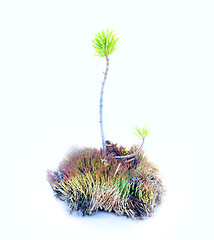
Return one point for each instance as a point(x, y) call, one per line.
point(101, 106)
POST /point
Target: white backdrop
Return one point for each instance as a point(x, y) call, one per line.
point(161, 75)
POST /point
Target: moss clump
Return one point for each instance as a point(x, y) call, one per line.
point(88, 183)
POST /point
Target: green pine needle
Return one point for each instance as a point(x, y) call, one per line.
point(104, 43)
point(141, 132)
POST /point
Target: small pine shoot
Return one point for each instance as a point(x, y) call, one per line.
point(141, 132)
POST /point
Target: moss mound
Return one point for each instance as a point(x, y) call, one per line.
point(87, 183)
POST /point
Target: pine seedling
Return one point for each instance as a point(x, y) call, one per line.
point(104, 44)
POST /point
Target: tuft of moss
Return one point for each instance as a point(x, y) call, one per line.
point(88, 183)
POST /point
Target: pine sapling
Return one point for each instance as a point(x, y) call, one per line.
point(104, 44)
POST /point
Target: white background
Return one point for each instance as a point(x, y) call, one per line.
point(161, 75)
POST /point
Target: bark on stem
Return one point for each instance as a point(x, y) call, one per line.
point(101, 106)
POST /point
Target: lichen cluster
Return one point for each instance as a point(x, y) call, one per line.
point(88, 183)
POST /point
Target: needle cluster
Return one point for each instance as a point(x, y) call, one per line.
point(104, 43)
